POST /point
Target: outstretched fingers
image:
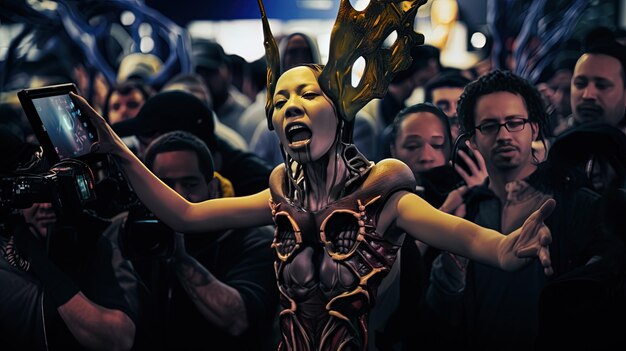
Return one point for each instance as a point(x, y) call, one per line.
point(544, 258)
point(546, 209)
point(544, 238)
point(540, 237)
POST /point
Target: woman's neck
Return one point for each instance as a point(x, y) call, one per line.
point(325, 180)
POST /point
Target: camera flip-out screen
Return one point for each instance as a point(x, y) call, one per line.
point(63, 130)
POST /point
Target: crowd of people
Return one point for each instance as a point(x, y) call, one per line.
point(490, 215)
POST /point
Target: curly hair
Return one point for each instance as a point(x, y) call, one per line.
point(499, 81)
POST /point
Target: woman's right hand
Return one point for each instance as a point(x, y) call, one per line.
point(108, 141)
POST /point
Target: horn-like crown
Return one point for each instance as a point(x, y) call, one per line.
point(356, 34)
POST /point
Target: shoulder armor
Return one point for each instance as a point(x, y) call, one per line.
point(391, 173)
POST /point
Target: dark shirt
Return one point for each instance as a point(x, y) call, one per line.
point(502, 309)
point(25, 308)
point(242, 259)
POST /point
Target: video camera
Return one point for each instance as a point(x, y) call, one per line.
point(145, 237)
point(68, 185)
point(78, 180)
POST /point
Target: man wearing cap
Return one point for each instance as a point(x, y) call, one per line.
point(213, 65)
point(178, 110)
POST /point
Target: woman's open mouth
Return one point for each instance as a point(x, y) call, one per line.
point(298, 135)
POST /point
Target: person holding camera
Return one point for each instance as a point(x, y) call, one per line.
point(61, 281)
point(204, 289)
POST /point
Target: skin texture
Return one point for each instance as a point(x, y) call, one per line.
point(324, 177)
point(123, 107)
point(295, 104)
point(446, 99)
point(420, 142)
point(597, 90)
point(180, 171)
point(508, 155)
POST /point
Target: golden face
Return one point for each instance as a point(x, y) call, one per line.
point(304, 117)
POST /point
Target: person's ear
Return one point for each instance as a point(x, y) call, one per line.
point(535, 130)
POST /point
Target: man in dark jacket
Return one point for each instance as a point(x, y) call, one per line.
point(503, 310)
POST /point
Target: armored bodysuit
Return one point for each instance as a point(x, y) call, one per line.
point(330, 262)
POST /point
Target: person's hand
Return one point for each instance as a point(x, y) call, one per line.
point(108, 141)
point(535, 237)
point(454, 202)
point(478, 169)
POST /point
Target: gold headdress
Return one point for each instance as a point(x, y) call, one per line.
point(356, 34)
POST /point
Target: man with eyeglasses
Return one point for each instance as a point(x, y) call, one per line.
point(492, 309)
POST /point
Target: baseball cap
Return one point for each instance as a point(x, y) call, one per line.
point(168, 111)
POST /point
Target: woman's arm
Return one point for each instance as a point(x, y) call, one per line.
point(167, 204)
point(451, 233)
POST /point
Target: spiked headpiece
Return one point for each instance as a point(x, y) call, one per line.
point(356, 34)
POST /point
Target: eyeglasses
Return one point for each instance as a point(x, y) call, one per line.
point(513, 125)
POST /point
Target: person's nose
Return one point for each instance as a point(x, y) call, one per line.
point(590, 92)
point(503, 134)
point(124, 112)
point(428, 154)
point(292, 108)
